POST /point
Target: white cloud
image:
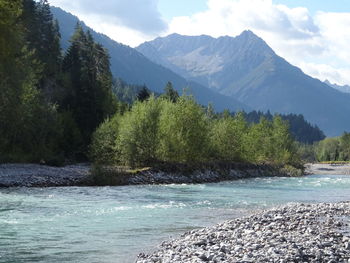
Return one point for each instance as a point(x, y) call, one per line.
point(305, 41)
point(128, 22)
point(323, 72)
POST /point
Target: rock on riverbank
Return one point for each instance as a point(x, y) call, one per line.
point(29, 175)
point(293, 233)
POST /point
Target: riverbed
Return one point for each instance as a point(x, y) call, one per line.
point(115, 224)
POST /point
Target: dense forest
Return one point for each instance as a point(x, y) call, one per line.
point(52, 102)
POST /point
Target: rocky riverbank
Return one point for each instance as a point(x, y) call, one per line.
point(292, 233)
point(181, 174)
point(30, 175)
point(34, 175)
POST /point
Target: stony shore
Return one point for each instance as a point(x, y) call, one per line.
point(179, 175)
point(30, 175)
point(292, 233)
point(321, 168)
point(34, 175)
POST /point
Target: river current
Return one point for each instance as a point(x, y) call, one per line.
point(114, 224)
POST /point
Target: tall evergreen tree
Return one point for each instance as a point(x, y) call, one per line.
point(28, 124)
point(43, 38)
point(88, 83)
point(170, 93)
point(143, 94)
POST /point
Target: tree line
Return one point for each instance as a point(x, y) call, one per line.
point(175, 129)
point(301, 130)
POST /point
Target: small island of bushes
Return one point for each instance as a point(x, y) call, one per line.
point(175, 131)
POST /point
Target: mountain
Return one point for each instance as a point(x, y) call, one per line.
point(345, 88)
point(134, 68)
point(246, 68)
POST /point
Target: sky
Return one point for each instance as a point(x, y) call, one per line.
point(311, 34)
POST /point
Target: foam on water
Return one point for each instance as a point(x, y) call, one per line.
point(114, 224)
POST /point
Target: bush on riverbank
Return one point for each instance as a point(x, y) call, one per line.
point(159, 130)
point(333, 149)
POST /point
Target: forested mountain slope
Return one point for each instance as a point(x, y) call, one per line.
point(134, 68)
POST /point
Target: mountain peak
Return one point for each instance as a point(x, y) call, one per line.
point(248, 33)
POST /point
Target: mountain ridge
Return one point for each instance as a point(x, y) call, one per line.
point(135, 68)
point(344, 88)
point(246, 68)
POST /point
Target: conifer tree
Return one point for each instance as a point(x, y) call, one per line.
point(143, 94)
point(170, 93)
point(89, 83)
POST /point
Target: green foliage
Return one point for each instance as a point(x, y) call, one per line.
point(271, 142)
point(159, 130)
point(258, 144)
point(306, 152)
point(138, 133)
point(170, 93)
point(300, 129)
point(143, 94)
point(29, 123)
point(226, 138)
point(88, 90)
point(46, 114)
point(344, 147)
point(103, 146)
point(125, 92)
point(334, 149)
point(328, 150)
point(183, 132)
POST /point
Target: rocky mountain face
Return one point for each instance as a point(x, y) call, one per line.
point(135, 68)
point(247, 69)
point(345, 88)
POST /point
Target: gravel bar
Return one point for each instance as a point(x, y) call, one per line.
point(327, 169)
point(35, 175)
point(292, 233)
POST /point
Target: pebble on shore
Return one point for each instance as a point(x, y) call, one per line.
point(292, 233)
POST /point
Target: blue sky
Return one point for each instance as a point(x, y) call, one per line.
point(311, 34)
point(171, 8)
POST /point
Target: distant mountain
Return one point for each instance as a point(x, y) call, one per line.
point(134, 68)
point(345, 88)
point(246, 68)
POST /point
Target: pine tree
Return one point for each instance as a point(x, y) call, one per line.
point(43, 38)
point(88, 83)
point(170, 93)
point(143, 94)
point(28, 129)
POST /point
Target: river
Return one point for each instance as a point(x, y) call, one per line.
point(114, 224)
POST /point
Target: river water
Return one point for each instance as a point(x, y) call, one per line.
point(114, 224)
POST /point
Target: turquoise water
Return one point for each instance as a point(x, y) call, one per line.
point(114, 224)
